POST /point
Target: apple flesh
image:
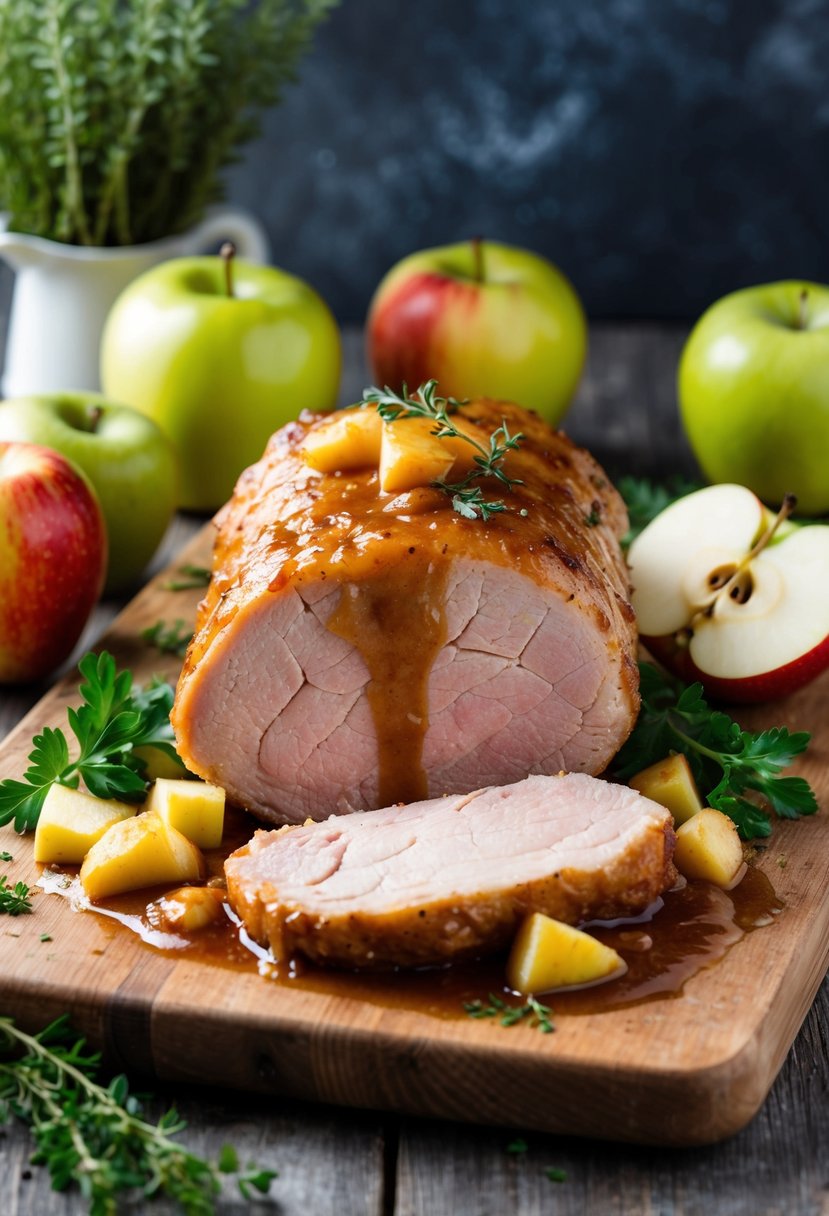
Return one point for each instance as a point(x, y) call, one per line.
point(53, 553)
point(754, 392)
point(719, 601)
point(485, 320)
point(219, 363)
point(125, 455)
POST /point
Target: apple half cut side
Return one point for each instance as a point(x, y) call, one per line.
point(726, 596)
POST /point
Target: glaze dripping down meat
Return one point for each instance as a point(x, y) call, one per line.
point(356, 649)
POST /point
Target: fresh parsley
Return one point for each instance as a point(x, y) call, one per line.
point(112, 722)
point(95, 1135)
point(169, 639)
point(14, 901)
point(537, 1015)
point(727, 761)
point(191, 576)
point(467, 497)
point(646, 499)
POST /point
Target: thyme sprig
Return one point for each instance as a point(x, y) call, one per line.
point(95, 1135)
point(191, 577)
point(538, 1016)
point(169, 638)
point(467, 496)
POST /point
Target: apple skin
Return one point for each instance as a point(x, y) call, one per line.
point(518, 332)
point(219, 373)
point(769, 686)
point(128, 459)
point(53, 551)
point(754, 392)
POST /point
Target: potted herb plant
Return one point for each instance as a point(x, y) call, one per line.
point(116, 120)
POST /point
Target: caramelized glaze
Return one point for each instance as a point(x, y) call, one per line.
point(397, 623)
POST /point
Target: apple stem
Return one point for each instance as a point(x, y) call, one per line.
point(227, 254)
point(477, 244)
point(93, 418)
point(803, 314)
point(786, 507)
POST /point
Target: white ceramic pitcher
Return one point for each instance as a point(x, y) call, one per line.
point(62, 294)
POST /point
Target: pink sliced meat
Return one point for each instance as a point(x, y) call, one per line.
point(452, 877)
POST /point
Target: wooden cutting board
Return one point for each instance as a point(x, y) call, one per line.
point(687, 1070)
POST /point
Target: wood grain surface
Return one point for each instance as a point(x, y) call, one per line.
point(360, 1164)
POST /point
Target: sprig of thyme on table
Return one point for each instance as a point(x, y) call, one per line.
point(538, 1016)
point(169, 639)
point(191, 577)
point(467, 497)
point(726, 760)
point(95, 1135)
point(112, 722)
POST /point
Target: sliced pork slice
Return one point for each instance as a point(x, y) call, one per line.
point(452, 877)
point(356, 649)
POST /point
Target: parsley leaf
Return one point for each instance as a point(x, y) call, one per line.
point(112, 721)
point(14, 900)
point(169, 639)
point(727, 762)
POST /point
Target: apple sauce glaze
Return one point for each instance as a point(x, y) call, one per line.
point(692, 927)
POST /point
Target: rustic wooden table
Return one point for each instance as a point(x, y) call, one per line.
point(355, 1163)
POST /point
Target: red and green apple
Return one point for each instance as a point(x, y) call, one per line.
point(484, 320)
point(125, 455)
point(219, 358)
point(754, 392)
point(727, 593)
point(53, 552)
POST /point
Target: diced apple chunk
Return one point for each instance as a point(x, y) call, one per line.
point(708, 846)
point(158, 764)
point(548, 954)
point(139, 852)
point(411, 456)
point(349, 440)
point(670, 782)
point(71, 821)
point(188, 909)
point(195, 808)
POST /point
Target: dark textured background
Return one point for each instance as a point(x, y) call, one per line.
point(663, 152)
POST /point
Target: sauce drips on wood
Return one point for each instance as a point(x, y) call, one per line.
point(397, 623)
point(690, 929)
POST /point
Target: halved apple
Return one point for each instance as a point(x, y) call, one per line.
point(728, 594)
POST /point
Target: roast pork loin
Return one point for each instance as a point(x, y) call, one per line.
point(451, 878)
point(356, 649)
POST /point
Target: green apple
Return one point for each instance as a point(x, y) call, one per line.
point(754, 392)
point(129, 461)
point(484, 320)
point(220, 361)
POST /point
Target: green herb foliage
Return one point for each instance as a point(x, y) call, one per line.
point(117, 118)
point(169, 639)
point(467, 498)
point(94, 1135)
point(537, 1015)
point(727, 761)
point(113, 720)
point(646, 499)
point(555, 1174)
point(191, 576)
point(14, 900)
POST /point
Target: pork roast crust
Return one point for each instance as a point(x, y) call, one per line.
point(534, 670)
point(452, 878)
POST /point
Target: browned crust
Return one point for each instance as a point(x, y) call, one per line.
point(263, 540)
point(451, 929)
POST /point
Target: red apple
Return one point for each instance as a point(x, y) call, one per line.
point(727, 594)
point(484, 320)
point(53, 554)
